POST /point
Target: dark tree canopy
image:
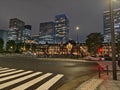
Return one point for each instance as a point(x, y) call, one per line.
point(94, 41)
point(11, 45)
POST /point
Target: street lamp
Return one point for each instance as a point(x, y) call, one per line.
point(77, 45)
point(112, 40)
point(77, 28)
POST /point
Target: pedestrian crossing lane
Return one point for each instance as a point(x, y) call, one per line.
point(7, 70)
point(3, 69)
point(18, 80)
point(27, 74)
point(4, 74)
point(13, 76)
point(49, 83)
point(32, 82)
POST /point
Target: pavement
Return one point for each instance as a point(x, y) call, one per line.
point(109, 83)
point(103, 82)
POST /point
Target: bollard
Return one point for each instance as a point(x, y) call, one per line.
point(99, 71)
point(107, 70)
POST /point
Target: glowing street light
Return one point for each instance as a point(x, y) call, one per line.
point(77, 28)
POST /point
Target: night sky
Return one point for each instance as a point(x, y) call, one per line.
point(87, 14)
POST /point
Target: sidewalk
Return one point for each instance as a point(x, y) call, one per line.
point(105, 82)
point(109, 83)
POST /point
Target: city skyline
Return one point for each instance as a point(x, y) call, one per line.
point(88, 15)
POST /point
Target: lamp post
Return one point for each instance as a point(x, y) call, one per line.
point(77, 28)
point(77, 43)
point(112, 40)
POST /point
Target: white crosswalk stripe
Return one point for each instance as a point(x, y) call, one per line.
point(32, 78)
point(7, 70)
point(49, 83)
point(3, 68)
point(18, 80)
point(26, 85)
point(13, 76)
point(4, 74)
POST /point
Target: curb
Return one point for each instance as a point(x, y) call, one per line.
point(72, 85)
point(91, 84)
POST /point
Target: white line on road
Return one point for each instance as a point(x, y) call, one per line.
point(32, 82)
point(49, 83)
point(18, 80)
point(13, 76)
point(4, 74)
point(7, 70)
point(3, 68)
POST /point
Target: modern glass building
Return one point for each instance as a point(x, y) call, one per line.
point(36, 38)
point(26, 33)
point(47, 32)
point(16, 26)
point(4, 36)
point(61, 28)
point(106, 20)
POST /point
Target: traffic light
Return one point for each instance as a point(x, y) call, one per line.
point(100, 50)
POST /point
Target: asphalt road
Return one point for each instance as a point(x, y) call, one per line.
point(68, 70)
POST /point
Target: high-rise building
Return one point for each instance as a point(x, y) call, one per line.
point(36, 39)
point(4, 36)
point(26, 33)
point(47, 32)
point(16, 26)
point(107, 29)
point(61, 28)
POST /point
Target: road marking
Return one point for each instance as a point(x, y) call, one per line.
point(7, 70)
point(32, 82)
point(4, 74)
point(49, 83)
point(13, 76)
point(27, 74)
point(18, 80)
point(3, 68)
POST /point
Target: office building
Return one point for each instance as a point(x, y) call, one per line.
point(26, 33)
point(61, 28)
point(107, 29)
point(36, 38)
point(47, 32)
point(4, 36)
point(16, 27)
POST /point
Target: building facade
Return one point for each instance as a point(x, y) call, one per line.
point(47, 32)
point(16, 27)
point(4, 36)
point(61, 28)
point(26, 33)
point(61, 49)
point(107, 29)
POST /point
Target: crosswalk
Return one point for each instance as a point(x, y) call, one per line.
point(14, 79)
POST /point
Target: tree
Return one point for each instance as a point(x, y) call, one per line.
point(1, 44)
point(11, 46)
point(19, 47)
point(94, 42)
